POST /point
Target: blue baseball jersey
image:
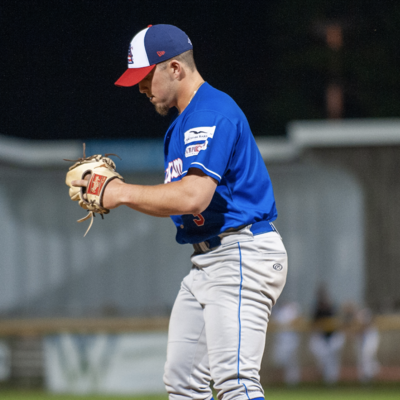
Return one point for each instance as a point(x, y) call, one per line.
point(213, 135)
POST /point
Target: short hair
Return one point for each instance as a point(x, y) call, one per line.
point(186, 58)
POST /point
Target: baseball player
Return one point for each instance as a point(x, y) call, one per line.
point(326, 342)
point(219, 195)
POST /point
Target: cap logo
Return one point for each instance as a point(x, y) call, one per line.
point(160, 53)
point(190, 42)
point(130, 56)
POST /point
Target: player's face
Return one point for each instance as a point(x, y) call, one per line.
point(158, 86)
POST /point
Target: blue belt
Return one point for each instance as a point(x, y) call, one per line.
point(257, 229)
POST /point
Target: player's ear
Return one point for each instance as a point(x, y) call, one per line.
point(176, 69)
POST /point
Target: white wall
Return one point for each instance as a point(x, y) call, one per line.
point(321, 220)
point(129, 263)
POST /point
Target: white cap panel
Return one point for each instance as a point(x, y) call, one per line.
point(137, 56)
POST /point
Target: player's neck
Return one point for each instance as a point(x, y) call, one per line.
point(189, 90)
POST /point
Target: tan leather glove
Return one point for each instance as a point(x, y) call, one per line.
point(101, 170)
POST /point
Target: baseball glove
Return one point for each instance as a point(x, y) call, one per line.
point(101, 170)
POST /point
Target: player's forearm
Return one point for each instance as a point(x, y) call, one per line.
point(175, 198)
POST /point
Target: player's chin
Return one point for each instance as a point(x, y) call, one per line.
point(161, 109)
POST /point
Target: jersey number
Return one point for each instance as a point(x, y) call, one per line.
point(199, 220)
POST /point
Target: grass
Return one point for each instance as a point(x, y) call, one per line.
point(306, 392)
point(341, 392)
point(39, 395)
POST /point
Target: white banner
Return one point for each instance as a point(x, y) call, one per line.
point(105, 363)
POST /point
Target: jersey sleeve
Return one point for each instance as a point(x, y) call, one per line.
point(209, 139)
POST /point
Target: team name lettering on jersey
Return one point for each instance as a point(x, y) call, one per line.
point(199, 134)
point(195, 149)
point(174, 170)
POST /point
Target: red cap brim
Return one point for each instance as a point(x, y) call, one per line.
point(133, 76)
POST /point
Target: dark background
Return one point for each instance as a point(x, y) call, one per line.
point(60, 59)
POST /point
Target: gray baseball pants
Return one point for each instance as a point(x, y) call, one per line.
point(219, 320)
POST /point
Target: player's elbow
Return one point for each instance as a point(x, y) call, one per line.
point(199, 209)
point(198, 191)
point(197, 205)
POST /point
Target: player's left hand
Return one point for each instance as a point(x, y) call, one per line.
point(111, 192)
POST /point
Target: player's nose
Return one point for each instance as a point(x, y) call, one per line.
point(142, 87)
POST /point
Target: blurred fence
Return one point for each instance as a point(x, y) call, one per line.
point(28, 360)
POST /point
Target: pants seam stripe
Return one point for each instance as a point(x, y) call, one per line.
point(240, 322)
point(240, 302)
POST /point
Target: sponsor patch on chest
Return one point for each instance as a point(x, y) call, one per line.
point(199, 134)
point(195, 149)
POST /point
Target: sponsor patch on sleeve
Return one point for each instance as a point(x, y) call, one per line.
point(195, 149)
point(199, 133)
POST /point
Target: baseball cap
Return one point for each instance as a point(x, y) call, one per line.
point(153, 45)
